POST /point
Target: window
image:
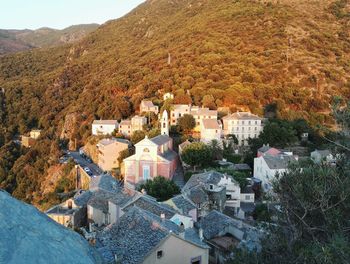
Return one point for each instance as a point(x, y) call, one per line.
point(164, 125)
point(196, 260)
point(159, 254)
point(249, 122)
point(242, 122)
point(247, 197)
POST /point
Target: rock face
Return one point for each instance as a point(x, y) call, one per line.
point(29, 236)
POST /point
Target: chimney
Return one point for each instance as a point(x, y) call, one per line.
point(90, 227)
point(200, 233)
point(162, 216)
point(143, 191)
point(182, 230)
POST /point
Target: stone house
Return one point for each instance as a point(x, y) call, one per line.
point(148, 106)
point(268, 167)
point(109, 151)
point(223, 233)
point(243, 125)
point(143, 237)
point(319, 156)
point(71, 213)
point(125, 128)
point(211, 129)
point(104, 127)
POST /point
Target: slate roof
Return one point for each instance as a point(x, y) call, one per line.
point(151, 205)
point(211, 124)
point(82, 198)
point(160, 140)
point(242, 116)
point(100, 199)
point(264, 148)
point(105, 122)
point(278, 162)
point(210, 177)
point(181, 107)
point(108, 141)
point(147, 103)
point(104, 182)
point(323, 153)
point(204, 112)
point(215, 224)
point(242, 167)
point(137, 234)
point(125, 123)
point(169, 155)
point(182, 203)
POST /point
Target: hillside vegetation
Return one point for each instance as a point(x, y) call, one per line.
point(20, 40)
point(244, 55)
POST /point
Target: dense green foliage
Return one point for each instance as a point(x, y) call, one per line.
point(137, 136)
point(197, 154)
point(236, 54)
point(186, 123)
point(160, 188)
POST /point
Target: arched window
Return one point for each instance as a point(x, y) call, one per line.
point(145, 150)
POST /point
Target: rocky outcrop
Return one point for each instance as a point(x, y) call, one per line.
point(69, 128)
point(29, 236)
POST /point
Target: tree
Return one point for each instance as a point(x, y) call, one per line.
point(313, 225)
point(153, 133)
point(197, 154)
point(137, 136)
point(186, 123)
point(124, 154)
point(160, 188)
point(215, 149)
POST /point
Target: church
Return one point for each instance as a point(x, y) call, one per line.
point(153, 157)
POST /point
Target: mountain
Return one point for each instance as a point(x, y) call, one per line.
point(27, 235)
point(19, 40)
point(290, 56)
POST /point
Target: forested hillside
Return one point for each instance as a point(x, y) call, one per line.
point(20, 40)
point(240, 54)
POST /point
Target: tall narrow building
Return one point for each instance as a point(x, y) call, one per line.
point(165, 123)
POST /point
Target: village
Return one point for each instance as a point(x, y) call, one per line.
point(216, 207)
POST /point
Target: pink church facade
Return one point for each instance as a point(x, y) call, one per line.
point(153, 157)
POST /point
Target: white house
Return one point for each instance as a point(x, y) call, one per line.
point(267, 167)
point(202, 113)
point(178, 111)
point(319, 156)
point(104, 127)
point(168, 96)
point(211, 129)
point(243, 125)
point(137, 123)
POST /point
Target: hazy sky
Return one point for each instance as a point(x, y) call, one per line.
point(33, 14)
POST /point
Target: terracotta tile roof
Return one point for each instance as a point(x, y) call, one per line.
point(211, 124)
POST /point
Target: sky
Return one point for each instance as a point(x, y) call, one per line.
point(59, 14)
